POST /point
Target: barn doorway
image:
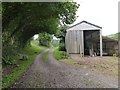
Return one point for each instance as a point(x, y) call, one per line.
point(91, 41)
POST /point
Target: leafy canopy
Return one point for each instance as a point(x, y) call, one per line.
point(22, 20)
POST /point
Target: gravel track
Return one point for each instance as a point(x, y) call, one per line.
point(55, 74)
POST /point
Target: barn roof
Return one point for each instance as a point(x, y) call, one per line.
point(84, 25)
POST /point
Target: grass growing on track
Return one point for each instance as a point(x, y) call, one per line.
point(31, 51)
point(45, 57)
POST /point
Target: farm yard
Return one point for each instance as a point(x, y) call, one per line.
point(40, 48)
point(106, 65)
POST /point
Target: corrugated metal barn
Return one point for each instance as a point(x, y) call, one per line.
point(82, 37)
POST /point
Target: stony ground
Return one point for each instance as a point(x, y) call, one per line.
point(107, 65)
point(55, 74)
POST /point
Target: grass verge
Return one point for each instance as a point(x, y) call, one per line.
point(31, 52)
point(58, 54)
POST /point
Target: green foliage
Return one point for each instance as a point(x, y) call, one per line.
point(18, 71)
point(115, 36)
point(62, 47)
point(61, 34)
point(60, 54)
point(8, 52)
point(62, 44)
point(45, 39)
point(36, 42)
point(32, 16)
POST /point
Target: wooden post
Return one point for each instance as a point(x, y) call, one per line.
point(100, 42)
point(66, 43)
point(82, 44)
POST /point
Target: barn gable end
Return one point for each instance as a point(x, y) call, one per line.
point(84, 25)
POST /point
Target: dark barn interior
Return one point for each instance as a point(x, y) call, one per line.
point(91, 41)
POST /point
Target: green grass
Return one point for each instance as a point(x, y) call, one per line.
point(58, 54)
point(45, 57)
point(31, 51)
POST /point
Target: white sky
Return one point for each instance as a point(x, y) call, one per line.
point(103, 13)
point(36, 36)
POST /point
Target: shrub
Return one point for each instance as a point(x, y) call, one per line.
point(62, 47)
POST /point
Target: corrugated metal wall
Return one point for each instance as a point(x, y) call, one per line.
point(74, 41)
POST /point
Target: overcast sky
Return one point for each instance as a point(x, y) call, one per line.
point(103, 13)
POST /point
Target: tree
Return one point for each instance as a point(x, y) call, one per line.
point(45, 39)
point(22, 20)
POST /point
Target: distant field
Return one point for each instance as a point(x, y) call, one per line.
point(115, 36)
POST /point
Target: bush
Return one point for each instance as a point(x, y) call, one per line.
point(60, 54)
point(8, 54)
point(62, 47)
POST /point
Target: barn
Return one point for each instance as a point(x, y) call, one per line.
point(83, 37)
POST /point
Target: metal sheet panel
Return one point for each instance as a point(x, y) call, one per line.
point(74, 41)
